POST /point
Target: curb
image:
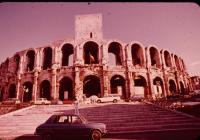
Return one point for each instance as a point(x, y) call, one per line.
point(16, 111)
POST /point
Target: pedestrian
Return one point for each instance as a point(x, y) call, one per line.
point(76, 107)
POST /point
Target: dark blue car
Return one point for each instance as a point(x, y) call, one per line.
point(65, 126)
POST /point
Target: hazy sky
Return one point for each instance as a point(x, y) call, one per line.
point(172, 26)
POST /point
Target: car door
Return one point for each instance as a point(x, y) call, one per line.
point(62, 128)
point(78, 128)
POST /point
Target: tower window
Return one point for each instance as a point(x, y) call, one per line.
point(91, 35)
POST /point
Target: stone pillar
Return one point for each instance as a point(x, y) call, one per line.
point(78, 87)
point(38, 62)
point(54, 83)
point(106, 82)
point(21, 65)
point(18, 86)
point(150, 83)
point(129, 56)
point(35, 86)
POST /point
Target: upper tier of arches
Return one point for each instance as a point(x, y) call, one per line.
point(91, 52)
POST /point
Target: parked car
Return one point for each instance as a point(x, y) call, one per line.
point(109, 98)
point(11, 101)
point(42, 101)
point(137, 97)
point(70, 126)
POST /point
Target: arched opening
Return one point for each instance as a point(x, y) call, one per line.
point(137, 55)
point(172, 87)
point(91, 52)
point(30, 60)
point(140, 86)
point(167, 59)
point(158, 87)
point(12, 91)
point(47, 61)
point(182, 89)
point(27, 91)
point(17, 61)
point(154, 55)
point(117, 85)
point(66, 89)
point(67, 52)
point(115, 49)
point(92, 86)
point(177, 62)
point(2, 94)
point(45, 90)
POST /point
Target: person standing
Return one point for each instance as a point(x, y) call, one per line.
point(76, 107)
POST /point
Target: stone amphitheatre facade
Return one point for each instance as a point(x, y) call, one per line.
point(91, 65)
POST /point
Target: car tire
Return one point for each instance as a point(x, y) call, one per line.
point(98, 101)
point(114, 101)
point(96, 135)
point(47, 137)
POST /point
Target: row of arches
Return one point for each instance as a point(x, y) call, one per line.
point(92, 86)
point(91, 55)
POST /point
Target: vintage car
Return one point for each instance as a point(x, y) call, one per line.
point(70, 126)
point(109, 98)
point(42, 101)
point(11, 101)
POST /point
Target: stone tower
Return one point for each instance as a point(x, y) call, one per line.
point(88, 26)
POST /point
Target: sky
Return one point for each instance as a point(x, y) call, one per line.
point(171, 26)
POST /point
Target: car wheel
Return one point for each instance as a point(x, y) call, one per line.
point(47, 137)
point(98, 101)
point(96, 135)
point(114, 101)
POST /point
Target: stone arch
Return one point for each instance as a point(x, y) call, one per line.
point(45, 89)
point(115, 49)
point(117, 85)
point(154, 56)
point(167, 58)
point(17, 61)
point(172, 87)
point(67, 54)
point(91, 86)
point(30, 57)
point(27, 91)
point(66, 89)
point(47, 58)
point(177, 62)
point(137, 55)
point(158, 86)
point(182, 88)
point(140, 84)
point(91, 53)
point(12, 91)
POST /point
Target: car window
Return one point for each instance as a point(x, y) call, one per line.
point(76, 120)
point(63, 119)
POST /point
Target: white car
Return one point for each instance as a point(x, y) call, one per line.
point(109, 98)
point(11, 101)
point(42, 101)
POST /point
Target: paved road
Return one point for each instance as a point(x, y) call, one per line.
point(141, 121)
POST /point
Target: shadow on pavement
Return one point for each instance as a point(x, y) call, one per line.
point(36, 137)
point(28, 137)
